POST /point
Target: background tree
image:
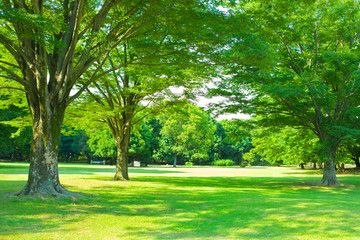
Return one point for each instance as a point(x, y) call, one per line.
point(284, 145)
point(300, 66)
point(73, 144)
point(101, 143)
point(238, 134)
point(353, 147)
point(188, 132)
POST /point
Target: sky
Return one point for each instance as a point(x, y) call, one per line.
point(203, 102)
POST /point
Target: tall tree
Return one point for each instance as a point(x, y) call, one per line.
point(177, 52)
point(300, 67)
point(53, 43)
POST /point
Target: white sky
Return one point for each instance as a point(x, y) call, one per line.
point(203, 102)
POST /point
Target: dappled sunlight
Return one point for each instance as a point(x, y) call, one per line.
point(173, 207)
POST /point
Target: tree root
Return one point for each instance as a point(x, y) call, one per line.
point(320, 184)
point(46, 190)
point(120, 178)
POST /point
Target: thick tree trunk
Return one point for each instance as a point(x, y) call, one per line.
point(122, 164)
point(314, 165)
point(43, 178)
point(329, 174)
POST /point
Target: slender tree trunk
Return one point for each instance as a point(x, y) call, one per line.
point(329, 174)
point(314, 166)
point(122, 164)
point(175, 158)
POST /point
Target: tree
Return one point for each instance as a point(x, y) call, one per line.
point(15, 130)
point(73, 143)
point(52, 44)
point(174, 53)
point(141, 142)
point(353, 147)
point(303, 70)
point(238, 134)
point(101, 143)
point(188, 131)
point(285, 145)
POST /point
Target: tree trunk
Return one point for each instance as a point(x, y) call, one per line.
point(175, 158)
point(122, 147)
point(302, 165)
point(314, 166)
point(43, 178)
point(329, 174)
point(357, 162)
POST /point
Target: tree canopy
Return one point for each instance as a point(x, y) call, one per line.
point(303, 70)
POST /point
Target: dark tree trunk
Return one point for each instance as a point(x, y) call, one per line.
point(329, 174)
point(122, 146)
point(357, 162)
point(314, 166)
point(302, 165)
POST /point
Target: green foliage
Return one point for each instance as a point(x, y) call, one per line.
point(297, 66)
point(15, 130)
point(199, 158)
point(284, 146)
point(101, 143)
point(73, 143)
point(141, 142)
point(235, 140)
point(222, 162)
point(187, 131)
point(189, 164)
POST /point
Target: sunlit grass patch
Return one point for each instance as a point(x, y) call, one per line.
point(158, 206)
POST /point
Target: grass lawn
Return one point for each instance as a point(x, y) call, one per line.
point(182, 203)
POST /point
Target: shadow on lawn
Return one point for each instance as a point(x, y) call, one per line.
point(206, 208)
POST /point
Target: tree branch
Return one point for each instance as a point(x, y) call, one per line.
point(16, 77)
point(14, 88)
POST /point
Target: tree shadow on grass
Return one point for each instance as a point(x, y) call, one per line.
point(194, 208)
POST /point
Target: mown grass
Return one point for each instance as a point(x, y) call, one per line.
point(175, 207)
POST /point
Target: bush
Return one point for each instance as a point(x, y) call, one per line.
point(199, 158)
point(189, 164)
point(223, 162)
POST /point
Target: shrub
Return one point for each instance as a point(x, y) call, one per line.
point(199, 158)
point(223, 162)
point(189, 164)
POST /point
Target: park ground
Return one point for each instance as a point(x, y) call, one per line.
point(183, 203)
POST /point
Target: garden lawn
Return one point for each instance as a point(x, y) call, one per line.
point(169, 203)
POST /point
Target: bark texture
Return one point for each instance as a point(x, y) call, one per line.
point(121, 130)
point(122, 160)
point(329, 174)
point(43, 177)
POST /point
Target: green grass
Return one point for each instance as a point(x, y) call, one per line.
point(163, 203)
